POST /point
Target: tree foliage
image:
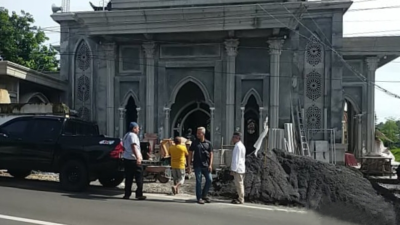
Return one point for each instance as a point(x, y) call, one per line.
point(391, 130)
point(23, 43)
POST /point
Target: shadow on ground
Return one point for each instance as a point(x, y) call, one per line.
point(53, 186)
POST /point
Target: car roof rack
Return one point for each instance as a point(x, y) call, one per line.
point(49, 109)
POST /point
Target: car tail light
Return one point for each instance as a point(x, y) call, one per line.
point(117, 152)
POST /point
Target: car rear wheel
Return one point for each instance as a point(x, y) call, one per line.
point(111, 180)
point(74, 176)
point(19, 174)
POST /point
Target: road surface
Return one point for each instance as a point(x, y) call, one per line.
point(36, 202)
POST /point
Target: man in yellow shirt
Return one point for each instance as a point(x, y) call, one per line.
point(178, 154)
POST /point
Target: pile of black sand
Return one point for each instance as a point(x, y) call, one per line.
point(277, 177)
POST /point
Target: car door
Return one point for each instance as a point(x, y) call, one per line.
point(42, 140)
point(12, 141)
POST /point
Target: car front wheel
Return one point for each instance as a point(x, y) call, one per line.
point(74, 176)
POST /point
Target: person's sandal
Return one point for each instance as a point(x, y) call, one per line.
point(141, 198)
point(236, 202)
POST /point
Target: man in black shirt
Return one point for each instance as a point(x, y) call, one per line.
point(201, 151)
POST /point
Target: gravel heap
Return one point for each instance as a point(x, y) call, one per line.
point(277, 177)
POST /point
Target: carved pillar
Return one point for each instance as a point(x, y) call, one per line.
point(372, 64)
point(242, 123)
point(166, 122)
point(275, 49)
point(212, 125)
point(111, 52)
point(260, 121)
point(149, 53)
point(231, 51)
point(121, 121)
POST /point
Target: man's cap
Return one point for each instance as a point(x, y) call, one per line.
point(133, 125)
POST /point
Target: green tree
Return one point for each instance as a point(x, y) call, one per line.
point(23, 43)
point(391, 131)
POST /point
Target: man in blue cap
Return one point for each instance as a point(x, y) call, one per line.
point(133, 162)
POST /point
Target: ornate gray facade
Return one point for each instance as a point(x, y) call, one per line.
point(225, 66)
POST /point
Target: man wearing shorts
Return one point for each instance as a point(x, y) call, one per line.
point(178, 154)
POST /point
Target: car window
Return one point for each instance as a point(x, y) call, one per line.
point(76, 128)
point(70, 128)
point(16, 128)
point(45, 129)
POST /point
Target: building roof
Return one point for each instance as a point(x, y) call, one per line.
point(11, 69)
point(386, 47)
point(149, 16)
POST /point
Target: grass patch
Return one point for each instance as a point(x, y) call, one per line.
point(396, 153)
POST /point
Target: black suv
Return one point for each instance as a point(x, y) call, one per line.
point(68, 146)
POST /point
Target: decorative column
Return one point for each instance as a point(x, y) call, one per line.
point(275, 49)
point(138, 115)
point(212, 125)
point(242, 123)
point(166, 122)
point(110, 49)
point(121, 121)
point(231, 51)
point(260, 121)
point(372, 64)
point(358, 152)
point(149, 53)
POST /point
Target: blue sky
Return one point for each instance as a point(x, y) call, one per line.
point(378, 22)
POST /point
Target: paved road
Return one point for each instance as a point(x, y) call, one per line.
point(42, 203)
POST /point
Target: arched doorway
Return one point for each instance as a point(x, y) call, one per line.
point(251, 124)
point(351, 126)
point(190, 111)
point(131, 112)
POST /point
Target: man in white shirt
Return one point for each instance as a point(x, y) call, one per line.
point(238, 166)
point(133, 162)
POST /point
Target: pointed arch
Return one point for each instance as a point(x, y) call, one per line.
point(28, 97)
point(185, 81)
point(247, 96)
point(353, 103)
point(129, 94)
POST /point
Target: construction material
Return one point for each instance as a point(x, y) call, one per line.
point(276, 138)
point(330, 190)
point(328, 135)
point(289, 137)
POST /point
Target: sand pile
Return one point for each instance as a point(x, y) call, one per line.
point(277, 177)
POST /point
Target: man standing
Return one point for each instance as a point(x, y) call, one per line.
point(133, 162)
point(178, 154)
point(201, 151)
point(238, 166)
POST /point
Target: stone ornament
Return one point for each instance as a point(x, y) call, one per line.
point(314, 52)
point(231, 46)
point(83, 56)
point(83, 88)
point(275, 46)
point(314, 85)
point(149, 48)
point(314, 117)
point(83, 70)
